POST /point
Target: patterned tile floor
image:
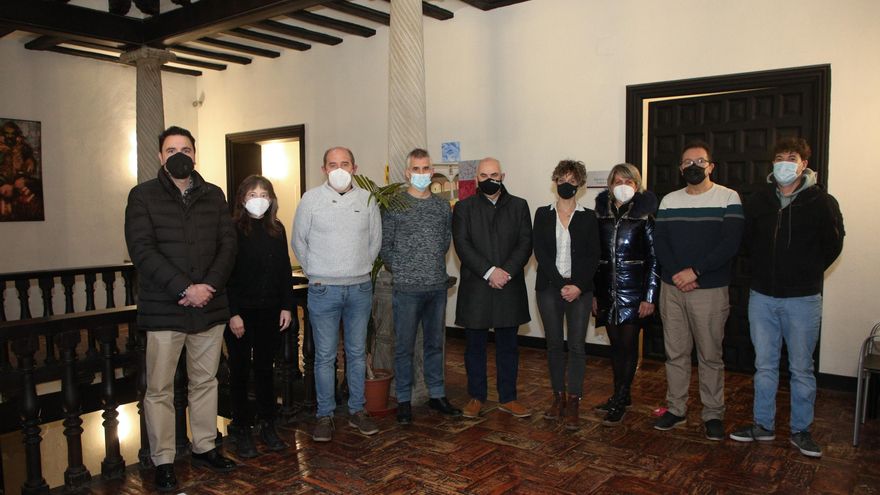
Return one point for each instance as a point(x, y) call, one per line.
point(498, 454)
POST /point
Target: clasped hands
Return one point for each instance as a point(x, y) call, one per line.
point(498, 278)
point(686, 280)
point(197, 295)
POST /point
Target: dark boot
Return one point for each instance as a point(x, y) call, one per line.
point(572, 419)
point(557, 408)
point(244, 442)
point(270, 438)
point(615, 412)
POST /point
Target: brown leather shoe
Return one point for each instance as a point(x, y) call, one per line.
point(557, 408)
point(571, 420)
point(515, 409)
point(472, 409)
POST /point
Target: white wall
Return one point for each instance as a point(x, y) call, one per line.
point(543, 80)
point(87, 110)
point(530, 83)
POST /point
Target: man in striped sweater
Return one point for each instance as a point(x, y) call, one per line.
point(697, 235)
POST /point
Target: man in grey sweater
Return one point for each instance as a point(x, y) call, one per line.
point(337, 233)
point(414, 245)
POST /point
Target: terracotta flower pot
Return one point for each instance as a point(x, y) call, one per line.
point(376, 392)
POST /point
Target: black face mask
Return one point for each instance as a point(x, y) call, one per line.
point(694, 174)
point(490, 186)
point(179, 165)
point(566, 190)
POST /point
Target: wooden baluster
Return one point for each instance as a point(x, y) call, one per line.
point(109, 279)
point(23, 285)
point(67, 281)
point(47, 283)
point(289, 367)
point(34, 483)
point(3, 301)
point(141, 359)
point(130, 279)
point(76, 475)
point(308, 361)
point(90, 279)
point(113, 466)
point(182, 443)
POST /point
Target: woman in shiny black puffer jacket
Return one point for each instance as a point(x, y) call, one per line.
point(626, 281)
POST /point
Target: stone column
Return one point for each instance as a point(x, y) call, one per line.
point(407, 128)
point(150, 112)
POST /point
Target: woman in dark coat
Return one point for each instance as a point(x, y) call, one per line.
point(566, 245)
point(261, 304)
point(627, 278)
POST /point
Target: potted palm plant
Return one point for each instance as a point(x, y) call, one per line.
point(378, 380)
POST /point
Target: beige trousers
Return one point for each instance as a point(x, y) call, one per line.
point(202, 358)
point(696, 316)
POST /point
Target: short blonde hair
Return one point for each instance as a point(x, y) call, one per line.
point(627, 171)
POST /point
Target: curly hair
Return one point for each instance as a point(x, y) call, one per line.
point(573, 167)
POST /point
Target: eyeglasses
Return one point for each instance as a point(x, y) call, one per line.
point(700, 162)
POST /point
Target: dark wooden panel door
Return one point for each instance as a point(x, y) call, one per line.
point(246, 160)
point(741, 127)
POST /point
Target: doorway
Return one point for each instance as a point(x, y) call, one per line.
point(741, 116)
point(279, 154)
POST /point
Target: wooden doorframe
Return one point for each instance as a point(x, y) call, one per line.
point(817, 75)
point(292, 131)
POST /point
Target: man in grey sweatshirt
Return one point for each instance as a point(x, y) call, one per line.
point(337, 233)
point(414, 245)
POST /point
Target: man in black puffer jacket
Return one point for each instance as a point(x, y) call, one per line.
point(182, 242)
point(794, 232)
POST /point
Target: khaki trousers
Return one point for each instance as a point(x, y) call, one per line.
point(202, 358)
point(696, 316)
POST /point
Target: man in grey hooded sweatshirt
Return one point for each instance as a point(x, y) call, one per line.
point(794, 232)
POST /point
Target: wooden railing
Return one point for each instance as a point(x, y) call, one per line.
point(69, 358)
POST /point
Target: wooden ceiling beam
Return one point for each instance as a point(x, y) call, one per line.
point(205, 18)
point(237, 47)
point(227, 57)
point(61, 20)
point(329, 22)
point(298, 32)
point(359, 11)
point(115, 59)
point(198, 63)
point(268, 39)
point(491, 4)
point(4, 31)
point(434, 11)
point(43, 42)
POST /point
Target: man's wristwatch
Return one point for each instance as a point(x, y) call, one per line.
point(182, 293)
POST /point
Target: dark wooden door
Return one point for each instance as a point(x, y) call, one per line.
point(247, 159)
point(741, 127)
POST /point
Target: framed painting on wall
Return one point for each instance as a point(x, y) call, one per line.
point(21, 171)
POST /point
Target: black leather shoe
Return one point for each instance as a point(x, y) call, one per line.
point(404, 413)
point(443, 406)
point(165, 479)
point(213, 461)
point(244, 443)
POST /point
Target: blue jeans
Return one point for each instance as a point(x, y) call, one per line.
point(410, 309)
point(796, 320)
point(506, 363)
point(328, 304)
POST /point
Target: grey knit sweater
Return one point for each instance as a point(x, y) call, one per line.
point(414, 244)
point(336, 236)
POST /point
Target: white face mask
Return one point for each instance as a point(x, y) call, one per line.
point(339, 179)
point(256, 207)
point(623, 192)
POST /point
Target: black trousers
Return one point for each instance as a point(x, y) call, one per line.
point(254, 350)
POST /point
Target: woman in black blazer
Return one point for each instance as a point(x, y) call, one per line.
point(566, 245)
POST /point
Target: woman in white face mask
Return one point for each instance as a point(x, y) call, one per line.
point(627, 278)
point(261, 303)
